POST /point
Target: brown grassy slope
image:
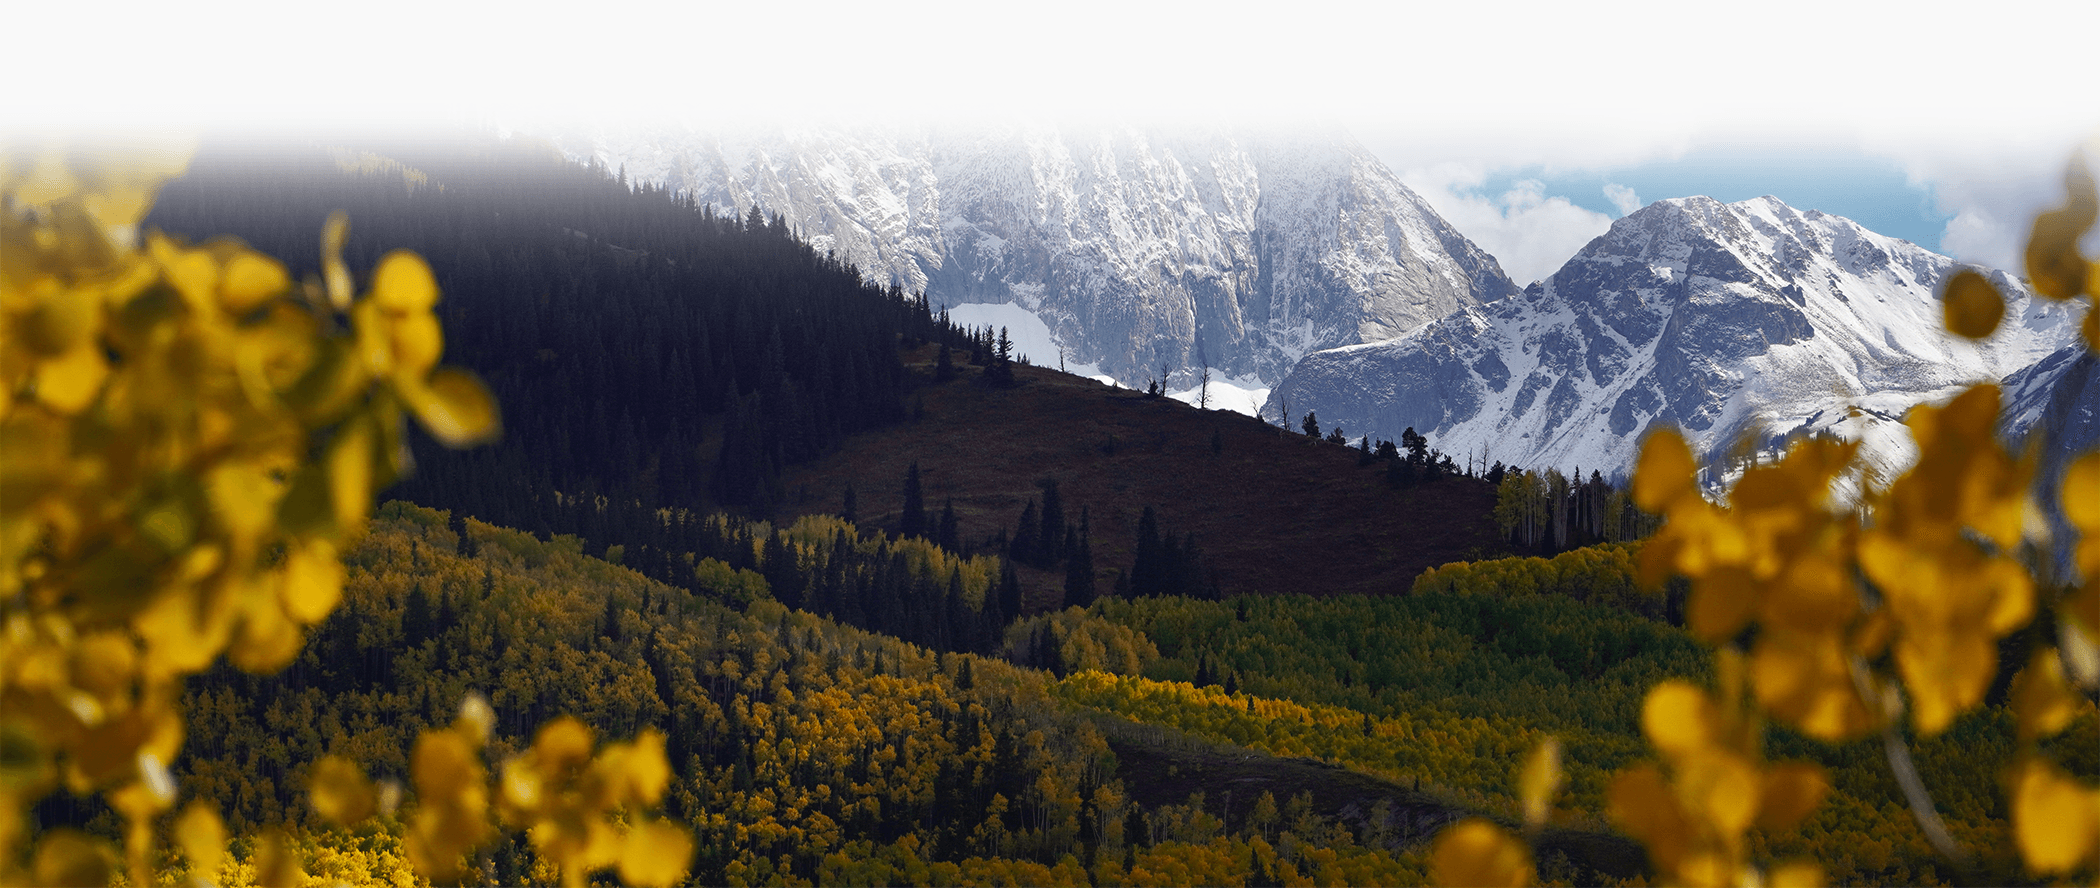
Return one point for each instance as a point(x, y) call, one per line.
point(1272, 512)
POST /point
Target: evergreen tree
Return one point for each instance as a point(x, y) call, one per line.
point(944, 367)
point(849, 512)
point(1417, 447)
point(949, 536)
point(1026, 536)
point(1148, 567)
point(1312, 424)
point(913, 524)
point(416, 616)
point(1051, 547)
point(1009, 596)
point(1079, 575)
point(1001, 370)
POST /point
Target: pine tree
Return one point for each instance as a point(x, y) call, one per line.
point(949, 536)
point(1026, 536)
point(1009, 596)
point(944, 367)
point(1050, 548)
point(1079, 575)
point(913, 524)
point(1148, 567)
point(1312, 424)
point(849, 512)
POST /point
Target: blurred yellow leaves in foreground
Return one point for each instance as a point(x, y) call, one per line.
point(191, 437)
point(1925, 575)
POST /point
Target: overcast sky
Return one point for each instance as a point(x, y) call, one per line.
point(1529, 126)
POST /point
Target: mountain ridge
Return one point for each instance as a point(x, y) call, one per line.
point(1722, 319)
point(1237, 251)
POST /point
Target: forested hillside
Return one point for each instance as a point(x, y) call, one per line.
point(877, 604)
point(645, 351)
point(802, 749)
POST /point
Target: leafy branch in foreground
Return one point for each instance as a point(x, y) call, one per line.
point(1843, 622)
point(191, 438)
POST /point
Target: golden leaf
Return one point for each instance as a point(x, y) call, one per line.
point(71, 857)
point(2054, 819)
point(1641, 801)
point(265, 641)
point(1791, 792)
point(444, 765)
point(339, 792)
point(403, 284)
point(2081, 494)
point(243, 497)
point(561, 745)
point(1540, 779)
point(104, 663)
point(417, 341)
point(350, 475)
point(1946, 673)
point(1664, 472)
point(1729, 789)
point(644, 767)
point(2053, 263)
point(1678, 718)
point(313, 581)
point(274, 862)
point(453, 407)
point(1476, 852)
point(69, 382)
point(655, 853)
point(1973, 307)
point(1797, 875)
point(202, 837)
point(1720, 605)
point(61, 322)
point(249, 278)
point(2043, 702)
point(1814, 594)
point(1802, 678)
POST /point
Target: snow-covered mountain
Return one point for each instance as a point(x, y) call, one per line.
point(1136, 248)
point(1726, 320)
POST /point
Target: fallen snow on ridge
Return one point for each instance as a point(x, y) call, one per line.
point(1031, 337)
point(1239, 395)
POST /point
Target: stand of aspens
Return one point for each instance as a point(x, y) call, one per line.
point(190, 438)
point(1859, 616)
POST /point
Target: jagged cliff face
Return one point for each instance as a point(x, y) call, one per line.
point(1723, 319)
point(1138, 249)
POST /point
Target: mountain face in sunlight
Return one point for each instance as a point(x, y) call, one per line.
point(1138, 249)
point(1725, 319)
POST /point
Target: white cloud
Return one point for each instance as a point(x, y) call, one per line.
point(1529, 233)
point(1992, 189)
point(1622, 198)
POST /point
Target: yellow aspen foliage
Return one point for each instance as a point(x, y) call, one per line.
point(567, 802)
point(1479, 853)
point(1939, 551)
point(191, 439)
